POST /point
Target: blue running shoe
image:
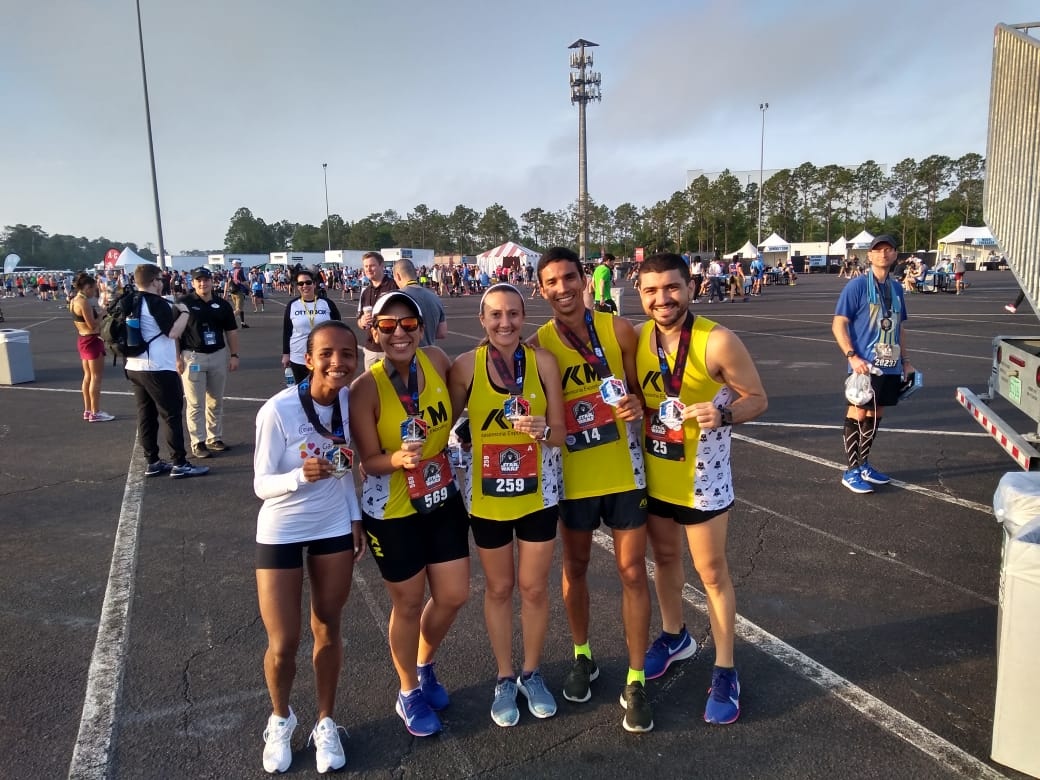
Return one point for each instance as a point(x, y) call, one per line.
point(418, 718)
point(539, 701)
point(664, 652)
point(872, 475)
point(504, 711)
point(436, 695)
point(723, 698)
point(853, 480)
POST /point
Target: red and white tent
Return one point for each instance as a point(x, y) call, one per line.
point(493, 258)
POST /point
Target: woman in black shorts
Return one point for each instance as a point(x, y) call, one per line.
point(515, 489)
point(413, 515)
point(302, 473)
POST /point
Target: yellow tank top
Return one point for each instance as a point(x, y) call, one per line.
point(601, 454)
point(406, 492)
point(509, 478)
point(684, 467)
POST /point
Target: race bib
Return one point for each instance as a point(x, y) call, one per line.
point(886, 355)
point(509, 469)
point(662, 441)
point(430, 483)
point(590, 423)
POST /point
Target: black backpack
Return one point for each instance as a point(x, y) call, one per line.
point(114, 329)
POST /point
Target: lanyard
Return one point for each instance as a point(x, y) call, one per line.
point(515, 383)
point(310, 314)
point(886, 300)
point(594, 357)
point(673, 380)
point(409, 396)
point(336, 434)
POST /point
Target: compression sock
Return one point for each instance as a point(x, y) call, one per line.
point(584, 650)
point(852, 436)
point(867, 430)
point(635, 676)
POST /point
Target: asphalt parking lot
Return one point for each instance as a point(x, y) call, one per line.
point(867, 629)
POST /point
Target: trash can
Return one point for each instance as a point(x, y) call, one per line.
point(1016, 501)
point(615, 294)
point(1015, 718)
point(15, 357)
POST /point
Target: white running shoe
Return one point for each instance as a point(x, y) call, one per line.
point(101, 417)
point(327, 745)
point(278, 739)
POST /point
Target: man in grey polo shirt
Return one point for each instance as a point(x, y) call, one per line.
point(436, 323)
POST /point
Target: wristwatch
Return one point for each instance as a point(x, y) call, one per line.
point(234, 354)
point(546, 433)
point(727, 415)
point(851, 353)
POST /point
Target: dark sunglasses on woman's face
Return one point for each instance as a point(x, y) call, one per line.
point(389, 324)
point(304, 282)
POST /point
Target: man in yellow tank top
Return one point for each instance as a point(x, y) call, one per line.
point(603, 477)
point(698, 381)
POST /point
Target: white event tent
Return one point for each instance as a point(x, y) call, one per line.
point(493, 258)
point(971, 243)
point(859, 245)
point(129, 260)
point(838, 248)
point(775, 248)
point(746, 252)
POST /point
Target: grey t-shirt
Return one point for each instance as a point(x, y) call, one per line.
point(431, 308)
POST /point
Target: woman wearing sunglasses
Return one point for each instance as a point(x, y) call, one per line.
point(515, 391)
point(301, 315)
point(413, 514)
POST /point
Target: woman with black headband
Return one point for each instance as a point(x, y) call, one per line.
point(515, 403)
point(413, 514)
point(302, 467)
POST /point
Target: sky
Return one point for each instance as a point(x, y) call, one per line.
point(462, 101)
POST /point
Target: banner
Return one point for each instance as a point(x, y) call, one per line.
point(10, 262)
point(110, 258)
point(638, 254)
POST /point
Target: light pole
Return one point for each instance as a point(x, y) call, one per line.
point(584, 87)
point(328, 227)
point(151, 148)
point(763, 107)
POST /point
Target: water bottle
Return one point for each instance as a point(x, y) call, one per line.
point(133, 331)
point(290, 378)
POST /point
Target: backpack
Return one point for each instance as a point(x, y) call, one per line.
point(114, 328)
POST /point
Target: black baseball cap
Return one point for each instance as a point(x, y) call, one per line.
point(884, 238)
point(202, 273)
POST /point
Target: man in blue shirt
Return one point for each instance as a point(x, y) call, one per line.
point(868, 326)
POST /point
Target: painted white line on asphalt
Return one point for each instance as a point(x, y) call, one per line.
point(946, 584)
point(42, 322)
point(91, 754)
point(818, 427)
point(77, 391)
point(962, 502)
point(888, 718)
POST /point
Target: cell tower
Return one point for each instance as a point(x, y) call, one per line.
point(584, 88)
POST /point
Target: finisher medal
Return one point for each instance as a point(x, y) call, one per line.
point(670, 413)
point(413, 429)
point(516, 407)
point(612, 390)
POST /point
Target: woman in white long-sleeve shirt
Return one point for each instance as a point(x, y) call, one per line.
point(302, 473)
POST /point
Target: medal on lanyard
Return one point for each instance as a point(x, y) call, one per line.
point(516, 405)
point(413, 428)
point(611, 389)
point(671, 408)
point(335, 449)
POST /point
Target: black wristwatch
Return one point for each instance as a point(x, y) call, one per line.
point(234, 354)
point(727, 415)
point(851, 353)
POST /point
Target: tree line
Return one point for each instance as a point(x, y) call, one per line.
point(918, 200)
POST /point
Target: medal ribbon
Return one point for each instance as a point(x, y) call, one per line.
point(409, 395)
point(673, 380)
point(514, 384)
point(336, 434)
point(594, 357)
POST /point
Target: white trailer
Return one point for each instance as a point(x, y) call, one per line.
point(224, 260)
point(419, 257)
point(1011, 203)
point(308, 259)
point(345, 258)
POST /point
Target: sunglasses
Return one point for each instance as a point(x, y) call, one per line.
point(304, 283)
point(389, 325)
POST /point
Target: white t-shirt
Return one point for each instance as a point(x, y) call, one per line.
point(302, 316)
point(162, 350)
point(295, 510)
